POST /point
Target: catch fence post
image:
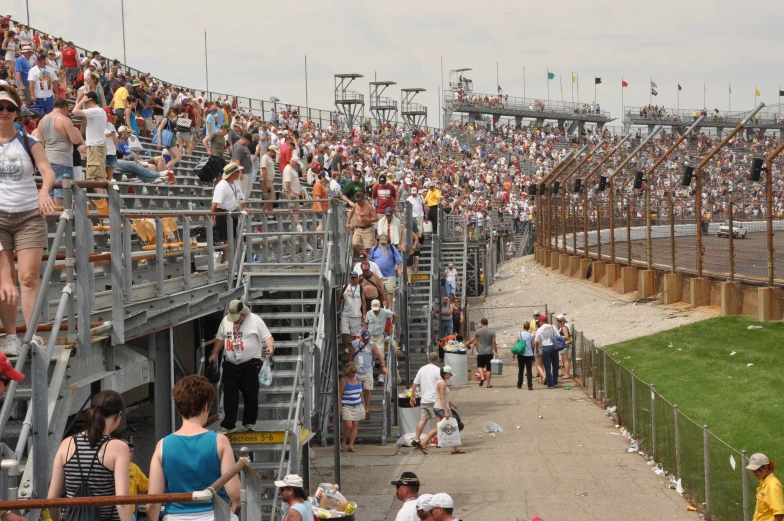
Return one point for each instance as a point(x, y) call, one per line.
point(706, 458)
point(744, 460)
point(676, 412)
point(604, 378)
point(618, 393)
point(634, 403)
point(653, 423)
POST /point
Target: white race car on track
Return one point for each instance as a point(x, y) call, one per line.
point(737, 230)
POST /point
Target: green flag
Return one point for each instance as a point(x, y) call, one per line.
point(550, 75)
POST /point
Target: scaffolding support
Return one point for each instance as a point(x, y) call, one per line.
point(382, 108)
point(414, 114)
point(350, 104)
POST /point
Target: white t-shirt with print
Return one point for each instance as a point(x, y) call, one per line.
point(244, 342)
point(227, 195)
point(42, 80)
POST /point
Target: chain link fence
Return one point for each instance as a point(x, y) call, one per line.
point(711, 472)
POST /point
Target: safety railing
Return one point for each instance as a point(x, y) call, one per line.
point(250, 494)
point(711, 473)
point(724, 118)
point(476, 100)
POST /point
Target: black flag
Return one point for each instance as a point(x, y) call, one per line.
point(781, 93)
point(679, 87)
point(597, 81)
point(653, 91)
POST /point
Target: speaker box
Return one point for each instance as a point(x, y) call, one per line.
point(577, 185)
point(638, 180)
point(757, 165)
point(556, 186)
point(688, 172)
point(602, 183)
point(532, 189)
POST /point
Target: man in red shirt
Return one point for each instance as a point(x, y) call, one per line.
point(385, 194)
point(70, 63)
point(285, 153)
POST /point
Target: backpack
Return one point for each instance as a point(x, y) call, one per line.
point(87, 513)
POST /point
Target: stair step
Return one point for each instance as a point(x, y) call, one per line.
point(287, 315)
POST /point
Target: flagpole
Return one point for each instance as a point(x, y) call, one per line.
point(560, 79)
point(523, 81)
point(679, 97)
point(650, 93)
point(730, 97)
point(623, 109)
point(573, 87)
point(578, 88)
point(594, 90)
point(497, 81)
point(548, 86)
point(704, 90)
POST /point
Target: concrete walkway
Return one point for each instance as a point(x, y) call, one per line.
point(571, 465)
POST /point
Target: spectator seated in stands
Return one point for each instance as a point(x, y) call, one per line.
point(152, 171)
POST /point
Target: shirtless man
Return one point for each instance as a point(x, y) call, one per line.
point(366, 217)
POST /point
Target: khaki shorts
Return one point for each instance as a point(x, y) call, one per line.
point(427, 411)
point(294, 205)
point(267, 195)
point(366, 379)
point(148, 124)
point(389, 284)
point(350, 326)
point(21, 231)
point(363, 237)
point(96, 162)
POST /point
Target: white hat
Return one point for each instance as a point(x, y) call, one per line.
point(560, 318)
point(292, 480)
point(375, 305)
point(423, 502)
point(757, 460)
point(4, 96)
point(442, 500)
point(122, 129)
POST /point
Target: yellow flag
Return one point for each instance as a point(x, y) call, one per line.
point(757, 92)
point(574, 78)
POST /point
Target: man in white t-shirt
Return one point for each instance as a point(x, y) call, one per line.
point(43, 84)
point(354, 309)
point(245, 336)
point(417, 207)
point(226, 197)
point(292, 187)
point(426, 380)
point(95, 139)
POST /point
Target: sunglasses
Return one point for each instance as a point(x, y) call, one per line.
point(9, 108)
point(5, 381)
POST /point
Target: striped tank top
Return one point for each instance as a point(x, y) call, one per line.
point(85, 464)
point(352, 394)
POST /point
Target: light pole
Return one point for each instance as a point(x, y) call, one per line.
point(122, 11)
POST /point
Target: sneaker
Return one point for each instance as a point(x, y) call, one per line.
point(249, 428)
point(163, 178)
point(224, 430)
point(11, 346)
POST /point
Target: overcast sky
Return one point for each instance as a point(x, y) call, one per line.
point(257, 49)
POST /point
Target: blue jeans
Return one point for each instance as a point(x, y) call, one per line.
point(130, 167)
point(451, 287)
point(59, 172)
point(447, 327)
point(550, 361)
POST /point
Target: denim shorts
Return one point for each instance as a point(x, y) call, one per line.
point(111, 161)
point(59, 172)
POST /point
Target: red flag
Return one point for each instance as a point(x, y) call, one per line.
point(624, 83)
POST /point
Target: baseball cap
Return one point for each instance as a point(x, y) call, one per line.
point(7, 370)
point(292, 480)
point(560, 318)
point(27, 48)
point(354, 274)
point(365, 333)
point(42, 56)
point(388, 209)
point(236, 308)
point(423, 502)
point(407, 478)
point(226, 126)
point(4, 96)
point(442, 500)
point(122, 128)
point(375, 305)
point(448, 369)
point(536, 313)
point(757, 460)
point(248, 136)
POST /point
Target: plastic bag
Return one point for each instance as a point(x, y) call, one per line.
point(134, 144)
point(405, 440)
point(492, 427)
point(448, 433)
point(265, 375)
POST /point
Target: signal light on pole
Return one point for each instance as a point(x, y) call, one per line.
point(638, 180)
point(577, 185)
point(757, 165)
point(556, 186)
point(688, 172)
point(532, 189)
point(602, 183)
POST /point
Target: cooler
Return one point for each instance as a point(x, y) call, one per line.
point(496, 366)
point(459, 364)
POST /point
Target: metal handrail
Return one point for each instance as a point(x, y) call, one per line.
point(95, 501)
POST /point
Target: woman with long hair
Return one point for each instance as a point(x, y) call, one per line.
point(192, 458)
point(170, 123)
point(351, 409)
point(10, 46)
point(93, 456)
point(92, 83)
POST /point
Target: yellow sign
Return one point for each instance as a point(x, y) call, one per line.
point(420, 276)
point(255, 438)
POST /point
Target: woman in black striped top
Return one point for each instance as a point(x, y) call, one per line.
point(93, 456)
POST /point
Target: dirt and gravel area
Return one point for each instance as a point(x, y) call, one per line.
point(600, 313)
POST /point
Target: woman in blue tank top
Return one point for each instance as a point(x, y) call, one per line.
point(352, 411)
point(193, 457)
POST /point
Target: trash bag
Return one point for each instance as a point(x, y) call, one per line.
point(265, 375)
point(448, 433)
point(405, 440)
point(589, 271)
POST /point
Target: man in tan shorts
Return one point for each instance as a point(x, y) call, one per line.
point(364, 217)
point(95, 139)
